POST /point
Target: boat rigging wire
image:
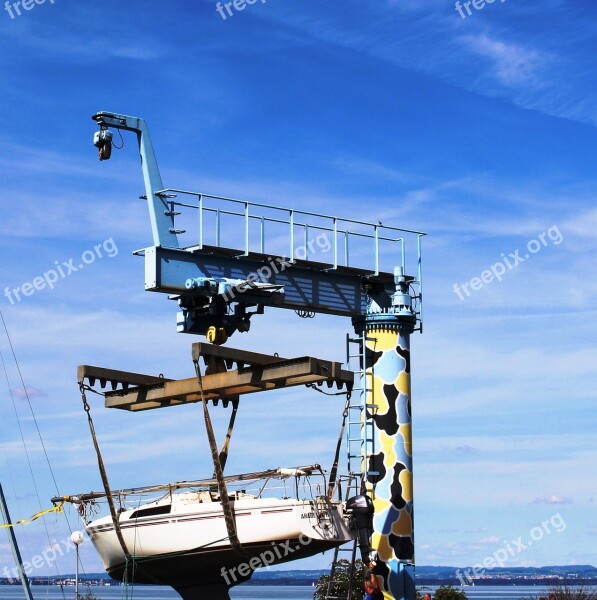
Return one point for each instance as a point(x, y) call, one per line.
point(12, 485)
point(278, 473)
point(22, 434)
point(26, 392)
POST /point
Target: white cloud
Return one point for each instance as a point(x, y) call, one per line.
point(553, 499)
point(490, 540)
point(28, 392)
point(513, 65)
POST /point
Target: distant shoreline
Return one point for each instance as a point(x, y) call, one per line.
point(299, 582)
point(426, 575)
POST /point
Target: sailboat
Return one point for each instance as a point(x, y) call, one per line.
point(180, 537)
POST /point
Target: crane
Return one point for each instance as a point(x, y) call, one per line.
point(220, 285)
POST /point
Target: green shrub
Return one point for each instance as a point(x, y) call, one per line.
point(568, 592)
point(447, 592)
point(340, 585)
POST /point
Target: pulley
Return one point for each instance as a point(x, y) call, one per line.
point(102, 140)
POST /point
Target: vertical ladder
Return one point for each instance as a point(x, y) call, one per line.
point(332, 593)
point(360, 438)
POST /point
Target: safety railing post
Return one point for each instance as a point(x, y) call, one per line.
point(335, 221)
point(420, 277)
point(306, 242)
point(291, 222)
point(403, 249)
point(246, 229)
point(376, 232)
point(346, 258)
point(200, 221)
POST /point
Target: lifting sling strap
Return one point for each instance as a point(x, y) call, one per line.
point(106, 483)
point(226, 445)
point(334, 470)
point(103, 473)
point(219, 472)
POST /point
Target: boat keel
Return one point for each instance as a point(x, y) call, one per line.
point(215, 591)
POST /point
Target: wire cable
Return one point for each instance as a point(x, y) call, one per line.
point(121, 139)
point(14, 405)
point(315, 388)
point(25, 390)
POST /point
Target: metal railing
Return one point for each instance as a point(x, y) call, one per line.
point(300, 225)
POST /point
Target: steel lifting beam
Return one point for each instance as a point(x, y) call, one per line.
point(114, 377)
point(232, 356)
point(344, 291)
point(135, 392)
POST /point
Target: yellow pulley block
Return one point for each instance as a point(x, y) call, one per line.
point(217, 335)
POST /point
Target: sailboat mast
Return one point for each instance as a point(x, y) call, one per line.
point(14, 546)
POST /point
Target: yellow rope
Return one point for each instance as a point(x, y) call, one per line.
point(36, 516)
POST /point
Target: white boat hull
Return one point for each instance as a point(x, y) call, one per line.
point(190, 545)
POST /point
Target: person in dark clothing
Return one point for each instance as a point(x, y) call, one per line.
point(372, 591)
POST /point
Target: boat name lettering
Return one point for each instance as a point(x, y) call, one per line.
point(310, 515)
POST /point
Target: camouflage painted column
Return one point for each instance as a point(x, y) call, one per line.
point(390, 467)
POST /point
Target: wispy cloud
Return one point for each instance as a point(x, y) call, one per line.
point(553, 499)
point(29, 392)
point(512, 64)
point(494, 539)
point(536, 68)
point(466, 449)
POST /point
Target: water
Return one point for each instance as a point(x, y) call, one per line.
point(42, 592)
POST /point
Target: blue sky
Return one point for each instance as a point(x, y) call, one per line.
point(480, 131)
